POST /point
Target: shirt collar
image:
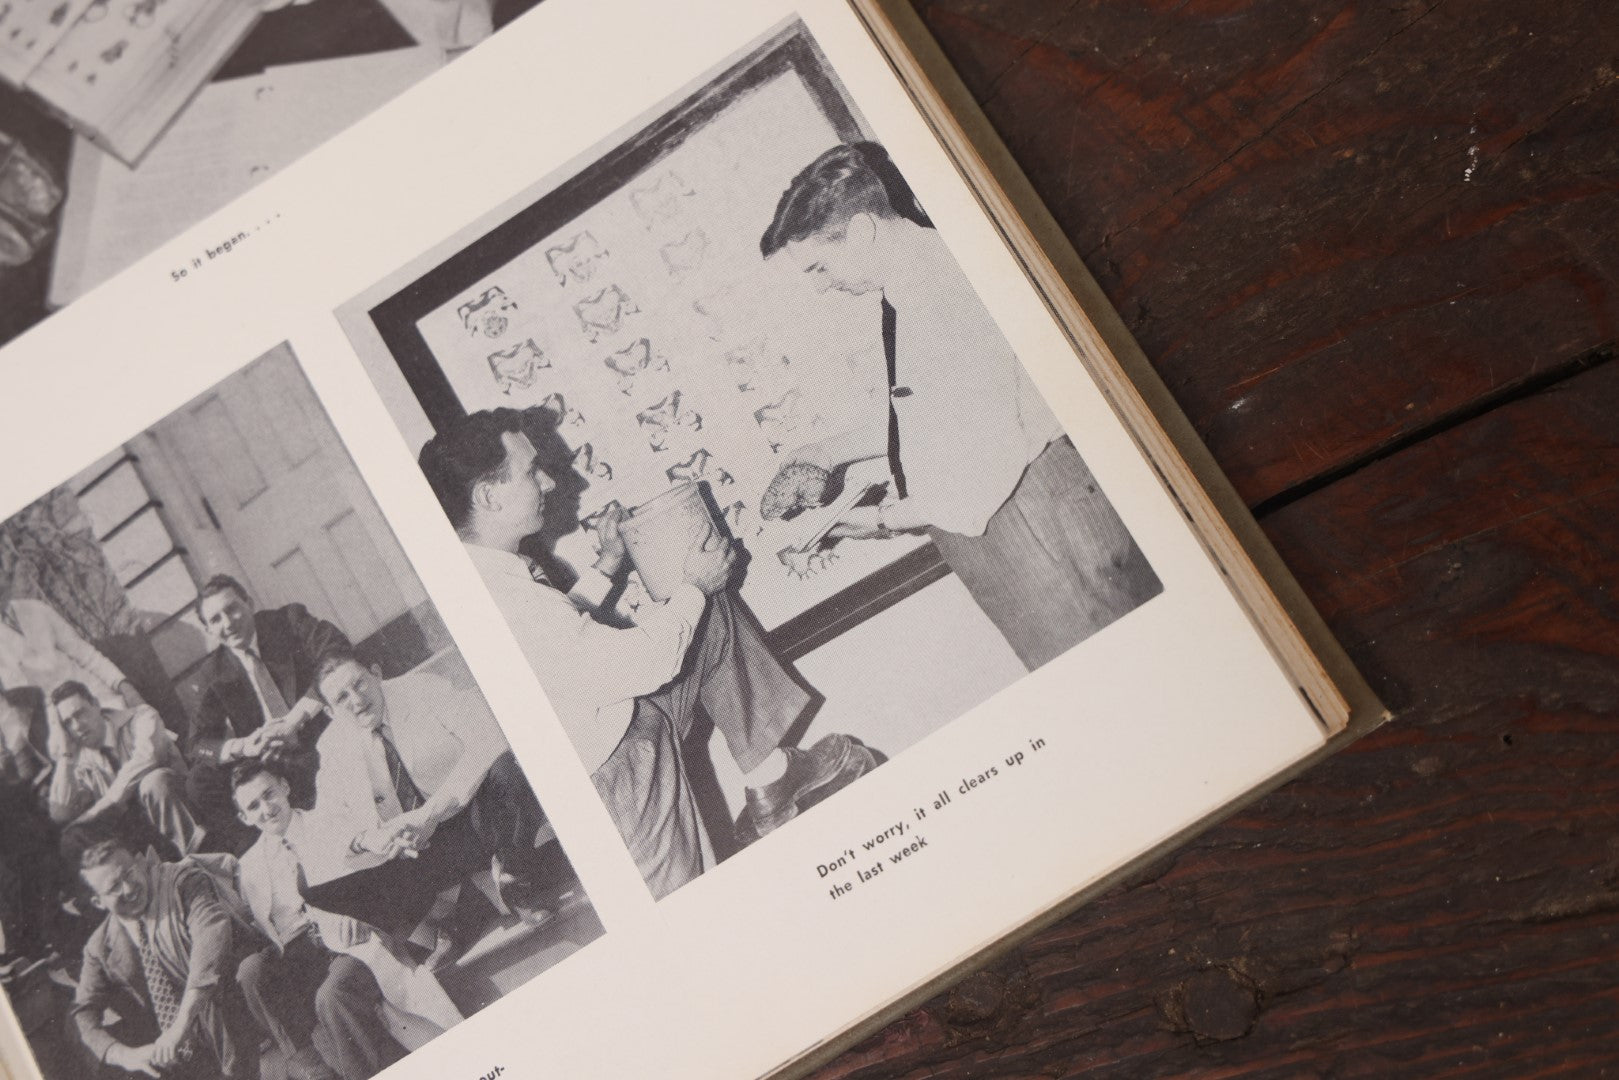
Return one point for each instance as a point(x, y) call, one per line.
point(132, 927)
point(116, 721)
point(490, 560)
point(914, 266)
point(295, 829)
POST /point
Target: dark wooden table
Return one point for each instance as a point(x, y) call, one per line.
point(1373, 248)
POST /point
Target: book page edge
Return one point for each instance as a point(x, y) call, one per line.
point(1286, 620)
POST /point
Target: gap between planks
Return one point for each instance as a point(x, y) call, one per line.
point(1507, 395)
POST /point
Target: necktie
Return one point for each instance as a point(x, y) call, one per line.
point(890, 319)
point(535, 572)
point(163, 991)
point(410, 796)
point(274, 703)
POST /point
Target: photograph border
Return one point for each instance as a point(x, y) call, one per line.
point(395, 318)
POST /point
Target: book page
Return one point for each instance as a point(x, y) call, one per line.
point(123, 72)
point(30, 29)
point(435, 387)
point(111, 51)
point(233, 135)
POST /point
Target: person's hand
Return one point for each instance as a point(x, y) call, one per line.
point(708, 567)
point(264, 740)
point(859, 523)
point(251, 746)
point(135, 1059)
point(132, 697)
point(166, 1050)
point(610, 540)
point(410, 831)
point(417, 825)
point(349, 931)
point(388, 842)
point(278, 732)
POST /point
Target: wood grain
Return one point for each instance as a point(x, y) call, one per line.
point(1399, 347)
point(1410, 204)
point(1440, 898)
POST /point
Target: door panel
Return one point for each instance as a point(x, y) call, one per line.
point(287, 499)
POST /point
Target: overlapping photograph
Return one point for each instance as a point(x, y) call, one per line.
point(256, 818)
point(756, 480)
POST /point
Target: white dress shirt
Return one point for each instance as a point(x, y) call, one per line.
point(288, 915)
point(591, 673)
point(446, 738)
point(970, 419)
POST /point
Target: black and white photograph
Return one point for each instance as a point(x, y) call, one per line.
point(120, 133)
point(759, 485)
point(257, 820)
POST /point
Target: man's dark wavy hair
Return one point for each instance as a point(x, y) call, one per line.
point(466, 453)
point(855, 178)
point(222, 583)
point(254, 767)
point(101, 852)
point(330, 662)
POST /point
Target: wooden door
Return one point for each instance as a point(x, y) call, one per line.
point(286, 500)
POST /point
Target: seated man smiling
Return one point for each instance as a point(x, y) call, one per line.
point(157, 993)
point(317, 986)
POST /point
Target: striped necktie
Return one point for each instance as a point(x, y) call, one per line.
point(410, 796)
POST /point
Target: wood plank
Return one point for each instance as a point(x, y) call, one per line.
point(1329, 223)
point(1439, 899)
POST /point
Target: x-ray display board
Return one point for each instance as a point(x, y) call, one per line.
point(632, 302)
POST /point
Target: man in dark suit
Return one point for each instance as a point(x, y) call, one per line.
point(258, 700)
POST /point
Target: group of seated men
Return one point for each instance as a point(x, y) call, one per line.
point(324, 842)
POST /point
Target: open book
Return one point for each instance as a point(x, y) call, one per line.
point(639, 559)
point(119, 72)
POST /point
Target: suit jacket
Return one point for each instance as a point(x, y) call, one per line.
point(199, 936)
point(292, 643)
